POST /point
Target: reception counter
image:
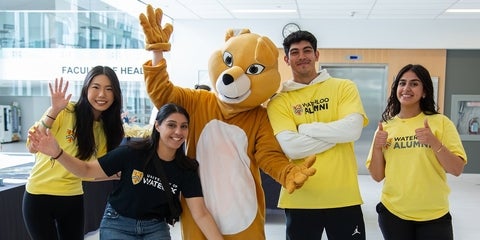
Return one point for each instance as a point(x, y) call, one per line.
point(12, 226)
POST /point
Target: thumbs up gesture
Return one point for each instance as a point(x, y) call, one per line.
point(425, 135)
point(381, 136)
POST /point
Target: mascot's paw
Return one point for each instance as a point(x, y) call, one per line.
point(299, 174)
point(156, 37)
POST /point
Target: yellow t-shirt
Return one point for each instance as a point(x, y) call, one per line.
point(50, 177)
point(335, 183)
point(415, 185)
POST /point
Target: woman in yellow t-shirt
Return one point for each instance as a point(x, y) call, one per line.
point(412, 150)
point(53, 200)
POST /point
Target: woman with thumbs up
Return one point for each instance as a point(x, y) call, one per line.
point(412, 150)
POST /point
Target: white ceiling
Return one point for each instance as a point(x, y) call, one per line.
point(304, 9)
point(316, 9)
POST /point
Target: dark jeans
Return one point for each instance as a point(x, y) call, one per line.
point(116, 226)
point(395, 228)
point(344, 223)
point(53, 217)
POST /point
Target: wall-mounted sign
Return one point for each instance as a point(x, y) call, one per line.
point(72, 64)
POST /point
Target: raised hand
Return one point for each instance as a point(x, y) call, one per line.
point(59, 99)
point(299, 174)
point(380, 140)
point(156, 37)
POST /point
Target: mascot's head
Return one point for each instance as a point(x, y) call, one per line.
point(244, 72)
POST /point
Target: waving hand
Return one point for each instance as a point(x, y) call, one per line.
point(156, 37)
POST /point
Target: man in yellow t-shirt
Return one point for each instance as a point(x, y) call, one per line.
point(316, 114)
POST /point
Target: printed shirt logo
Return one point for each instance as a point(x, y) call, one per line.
point(139, 177)
point(405, 142)
point(136, 177)
point(297, 109)
point(311, 107)
point(70, 136)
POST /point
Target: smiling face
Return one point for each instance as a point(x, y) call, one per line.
point(173, 131)
point(410, 90)
point(100, 94)
point(302, 58)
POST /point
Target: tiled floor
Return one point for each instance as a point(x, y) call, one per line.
point(464, 200)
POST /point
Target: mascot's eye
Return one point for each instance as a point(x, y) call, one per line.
point(255, 69)
point(228, 59)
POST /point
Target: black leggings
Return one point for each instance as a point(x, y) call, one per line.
point(395, 228)
point(50, 217)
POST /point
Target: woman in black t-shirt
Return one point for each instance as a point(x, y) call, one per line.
point(139, 206)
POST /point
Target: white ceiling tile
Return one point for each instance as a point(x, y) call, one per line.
point(307, 9)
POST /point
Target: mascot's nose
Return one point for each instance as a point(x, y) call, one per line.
point(227, 79)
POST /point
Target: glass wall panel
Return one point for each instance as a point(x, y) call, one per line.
point(69, 29)
point(78, 28)
point(371, 83)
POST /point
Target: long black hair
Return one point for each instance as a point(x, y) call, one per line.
point(427, 104)
point(112, 122)
point(150, 144)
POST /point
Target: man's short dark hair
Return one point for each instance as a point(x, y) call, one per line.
point(299, 36)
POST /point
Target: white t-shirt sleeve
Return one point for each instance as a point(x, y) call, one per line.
point(297, 146)
point(347, 129)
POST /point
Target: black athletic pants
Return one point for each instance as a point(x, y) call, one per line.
point(344, 223)
point(395, 228)
point(50, 217)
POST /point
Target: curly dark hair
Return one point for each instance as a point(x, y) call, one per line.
point(427, 104)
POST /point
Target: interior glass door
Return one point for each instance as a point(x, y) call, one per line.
point(371, 80)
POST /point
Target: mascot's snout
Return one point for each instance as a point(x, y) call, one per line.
point(234, 85)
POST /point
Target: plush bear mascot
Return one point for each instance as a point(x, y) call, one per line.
point(230, 134)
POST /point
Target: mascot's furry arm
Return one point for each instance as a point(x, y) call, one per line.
point(157, 40)
point(293, 175)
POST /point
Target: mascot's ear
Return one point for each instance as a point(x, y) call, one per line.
point(266, 52)
point(235, 32)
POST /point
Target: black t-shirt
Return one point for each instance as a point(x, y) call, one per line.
point(140, 194)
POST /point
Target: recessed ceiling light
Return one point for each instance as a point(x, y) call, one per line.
point(459, 10)
point(265, 11)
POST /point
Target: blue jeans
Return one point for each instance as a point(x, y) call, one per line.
point(115, 226)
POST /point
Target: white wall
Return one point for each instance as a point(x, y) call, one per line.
point(194, 41)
